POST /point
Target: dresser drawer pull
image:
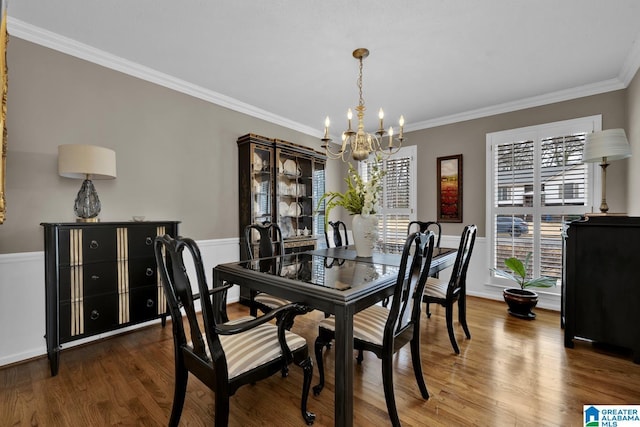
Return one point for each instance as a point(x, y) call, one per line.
point(95, 277)
point(93, 244)
point(149, 241)
point(149, 272)
point(150, 303)
point(94, 314)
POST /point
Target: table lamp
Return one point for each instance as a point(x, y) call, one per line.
point(604, 146)
point(86, 162)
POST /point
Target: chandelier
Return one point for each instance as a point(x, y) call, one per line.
point(361, 143)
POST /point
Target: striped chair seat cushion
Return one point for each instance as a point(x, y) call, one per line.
point(270, 301)
point(436, 287)
point(368, 324)
point(248, 350)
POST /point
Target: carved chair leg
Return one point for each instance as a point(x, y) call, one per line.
point(417, 367)
point(428, 312)
point(221, 410)
point(389, 395)
point(452, 336)
point(179, 392)
point(307, 367)
point(320, 343)
point(462, 315)
point(360, 356)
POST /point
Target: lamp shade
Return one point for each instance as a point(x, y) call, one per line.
point(610, 143)
point(79, 160)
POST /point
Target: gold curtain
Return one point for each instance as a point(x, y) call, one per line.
point(4, 38)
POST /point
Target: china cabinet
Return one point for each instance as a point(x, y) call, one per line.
point(100, 277)
point(281, 182)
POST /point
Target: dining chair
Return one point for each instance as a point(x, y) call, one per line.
point(447, 292)
point(423, 226)
point(229, 354)
point(383, 330)
point(269, 243)
point(338, 229)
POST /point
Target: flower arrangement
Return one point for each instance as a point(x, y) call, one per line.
point(362, 197)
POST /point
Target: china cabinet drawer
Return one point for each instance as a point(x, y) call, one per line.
point(100, 277)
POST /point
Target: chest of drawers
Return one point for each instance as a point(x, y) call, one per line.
point(100, 277)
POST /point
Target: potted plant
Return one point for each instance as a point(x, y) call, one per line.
point(360, 200)
point(522, 300)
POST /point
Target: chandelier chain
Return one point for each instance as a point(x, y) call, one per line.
point(360, 85)
point(362, 143)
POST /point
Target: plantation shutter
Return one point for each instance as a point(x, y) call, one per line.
point(538, 183)
point(398, 201)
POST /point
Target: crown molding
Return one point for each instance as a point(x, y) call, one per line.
point(536, 101)
point(71, 47)
point(631, 64)
point(28, 32)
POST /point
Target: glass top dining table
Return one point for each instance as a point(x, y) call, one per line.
point(334, 281)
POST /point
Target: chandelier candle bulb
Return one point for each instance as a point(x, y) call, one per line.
point(361, 144)
point(327, 122)
point(401, 123)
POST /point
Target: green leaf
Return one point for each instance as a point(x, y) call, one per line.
point(505, 274)
point(540, 282)
point(516, 265)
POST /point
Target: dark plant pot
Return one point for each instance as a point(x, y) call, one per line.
point(520, 302)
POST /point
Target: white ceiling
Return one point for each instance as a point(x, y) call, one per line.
point(289, 61)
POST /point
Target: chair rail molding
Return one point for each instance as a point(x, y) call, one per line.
point(22, 328)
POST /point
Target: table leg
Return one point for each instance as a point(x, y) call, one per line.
point(344, 367)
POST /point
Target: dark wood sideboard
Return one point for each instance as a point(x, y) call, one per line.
point(100, 277)
point(601, 289)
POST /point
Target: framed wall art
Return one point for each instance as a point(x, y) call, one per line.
point(449, 188)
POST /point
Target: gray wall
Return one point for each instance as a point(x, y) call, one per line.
point(177, 154)
point(469, 139)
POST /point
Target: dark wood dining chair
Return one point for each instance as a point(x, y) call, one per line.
point(269, 243)
point(423, 226)
point(383, 330)
point(447, 292)
point(229, 354)
point(333, 236)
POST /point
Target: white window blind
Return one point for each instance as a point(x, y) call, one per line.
point(537, 181)
point(398, 201)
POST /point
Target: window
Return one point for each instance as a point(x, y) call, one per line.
point(398, 201)
point(536, 181)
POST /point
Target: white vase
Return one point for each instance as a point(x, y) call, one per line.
point(365, 233)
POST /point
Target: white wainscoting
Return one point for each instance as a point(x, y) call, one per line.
point(22, 311)
point(22, 299)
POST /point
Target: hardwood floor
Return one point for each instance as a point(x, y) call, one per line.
point(512, 372)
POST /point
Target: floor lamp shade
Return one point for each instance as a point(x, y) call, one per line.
point(603, 147)
point(86, 162)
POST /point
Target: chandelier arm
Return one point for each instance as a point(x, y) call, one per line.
point(361, 143)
